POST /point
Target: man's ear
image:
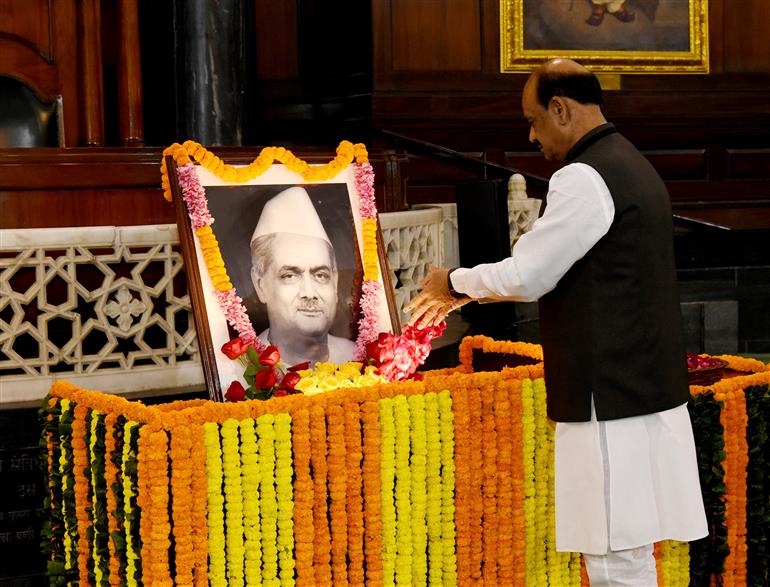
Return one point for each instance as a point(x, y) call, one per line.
point(257, 281)
point(560, 110)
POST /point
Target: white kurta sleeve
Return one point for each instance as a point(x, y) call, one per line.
point(579, 212)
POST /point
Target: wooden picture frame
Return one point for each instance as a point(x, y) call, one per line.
point(237, 209)
point(631, 36)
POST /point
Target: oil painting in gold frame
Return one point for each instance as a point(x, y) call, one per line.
point(609, 36)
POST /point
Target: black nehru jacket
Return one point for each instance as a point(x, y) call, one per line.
point(612, 325)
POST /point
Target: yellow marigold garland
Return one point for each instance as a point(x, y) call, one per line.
point(252, 476)
point(63, 459)
point(216, 516)
point(82, 503)
point(97, 558)
point(284, 491)
point(448, 531)
point(404, 547)
point(433, 491)
point(128, 495)
point(268, 503)
point(418, 488)
point(231, 465)
point(528, 456)
point(543, 460)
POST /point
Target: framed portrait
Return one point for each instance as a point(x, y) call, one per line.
point(612, 36)
point(294, 253)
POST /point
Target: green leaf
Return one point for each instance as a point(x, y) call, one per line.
point(253, 356)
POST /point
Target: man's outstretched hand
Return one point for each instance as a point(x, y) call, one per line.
point(434, 302)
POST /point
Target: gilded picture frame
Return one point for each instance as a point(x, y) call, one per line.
point(607, 36)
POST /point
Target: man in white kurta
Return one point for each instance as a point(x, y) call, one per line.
point(621, 484)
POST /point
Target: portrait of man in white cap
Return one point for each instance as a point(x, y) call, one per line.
point(294, 273)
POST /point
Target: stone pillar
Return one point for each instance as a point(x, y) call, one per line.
point(212, 61)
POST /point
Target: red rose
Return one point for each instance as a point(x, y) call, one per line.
point(265, 379)
point(235, 392)
point(270, 356)
point(236, 347)
point(300, 366)
point(290, 380)
point(280, 393)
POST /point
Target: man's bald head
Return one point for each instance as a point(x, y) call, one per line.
point(561, 102)
point(565, 78)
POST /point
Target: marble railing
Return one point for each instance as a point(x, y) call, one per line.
point(107, 307)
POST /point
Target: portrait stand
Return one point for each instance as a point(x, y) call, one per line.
point(336, 204)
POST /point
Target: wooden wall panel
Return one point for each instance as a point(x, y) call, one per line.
point(277, 40)
point(38, 45)
point(744, 37)
point(436, 35)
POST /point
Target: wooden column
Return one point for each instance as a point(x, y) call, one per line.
point(91, 72)
point(131, 121)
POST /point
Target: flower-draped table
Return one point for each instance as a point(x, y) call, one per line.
point(443, 481)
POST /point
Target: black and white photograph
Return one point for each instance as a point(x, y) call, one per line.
point(291, 253)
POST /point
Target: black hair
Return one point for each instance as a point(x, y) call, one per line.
point(581, 87)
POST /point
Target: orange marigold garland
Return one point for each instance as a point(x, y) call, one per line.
point(387, 488)
point(157, 471)
point(113, 480)
point(463, 493)
point(370, 471)
point(354, 500)
point(181, 503)
point(476, 481)
point(491, 531)
point(322, 539)
point(199, 491)
point(500, 396)
point(337, 482)
point(303, 498)
point(82, 487)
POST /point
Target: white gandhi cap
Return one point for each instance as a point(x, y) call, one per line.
point(290, 211)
